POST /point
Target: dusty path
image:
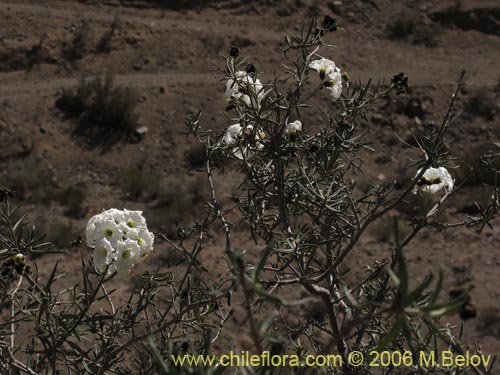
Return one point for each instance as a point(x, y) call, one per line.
point(24, 88)
point(154, 20)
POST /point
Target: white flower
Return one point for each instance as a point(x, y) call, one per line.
point(102, 226)
point(108, 229)
point(232, 134)
point(91, 235)
point(134, 219)
point(128, 254)
point(144, 239)
point(103, 254)
point(293, 127)
point(333, 83)
point(244, 86)
point(115, 214)
point(323, 66)
point(260, 135)
point(119, 237)
point(247, 150)
point(433, 180)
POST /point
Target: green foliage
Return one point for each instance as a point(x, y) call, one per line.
point(58, 321)
point(298, 195)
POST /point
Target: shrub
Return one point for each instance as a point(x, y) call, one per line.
point(306, 216)
point(75, 48)
point(74, 102)
point(104, 44)
point(34, 55)
point(294, 283)
point(107, 114)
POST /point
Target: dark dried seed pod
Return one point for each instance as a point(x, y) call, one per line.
point(234, 52)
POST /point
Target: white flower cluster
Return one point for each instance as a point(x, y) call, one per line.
point(329, 73)
point(234, 134)
point(120, 239)
point(433, 180)
point(293, 128)
point(244, 86)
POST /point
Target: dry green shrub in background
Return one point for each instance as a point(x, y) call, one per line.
point(104, 44)
point(75, 46)
point(106, 114)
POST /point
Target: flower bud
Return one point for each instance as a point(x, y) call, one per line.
point(234, 52)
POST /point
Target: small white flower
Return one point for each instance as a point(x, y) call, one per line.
point(260, 135)
point(108, 229)
point(323, 66)
point(134, 219)
point(243, 86)
point(433, 180)
point(102, 226)
point(90, 234)
point(232, 134)
point(102, 255)
point(293, 127)
point(246, 151)
point(114, 214)
point(144, 239)
point(128, 254)
point(333, 83)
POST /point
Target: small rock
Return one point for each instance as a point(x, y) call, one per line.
point(131, 40)
point(141, 130)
